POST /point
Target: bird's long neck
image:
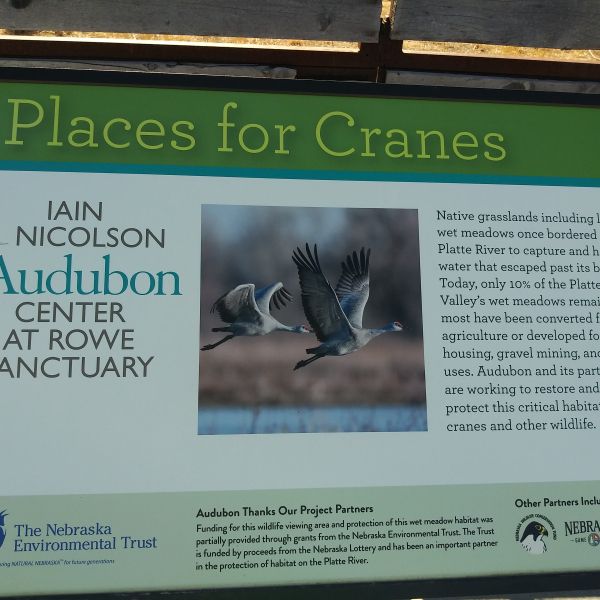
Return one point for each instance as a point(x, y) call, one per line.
point(282, 327)
point(379, 330)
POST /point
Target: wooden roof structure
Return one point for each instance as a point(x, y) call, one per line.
point(332, 39)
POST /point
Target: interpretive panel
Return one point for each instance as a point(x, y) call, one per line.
point(295, 336)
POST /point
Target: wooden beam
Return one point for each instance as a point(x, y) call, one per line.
point(351, 20)
point(566, 24)
point(260, 71)
point(358, 66)
point(494, 83)
point(506, 67)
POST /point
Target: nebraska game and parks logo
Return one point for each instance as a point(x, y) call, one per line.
point(534, 532)
point(3, 514)
point(582, 532)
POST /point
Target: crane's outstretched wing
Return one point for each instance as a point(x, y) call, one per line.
point(321, 306)
point(235, 303)
point(352, 289)
point(272, 295)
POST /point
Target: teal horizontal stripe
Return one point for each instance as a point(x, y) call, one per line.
point(295, 174)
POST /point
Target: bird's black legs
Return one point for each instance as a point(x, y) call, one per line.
point(304, 363)
point(211, 346)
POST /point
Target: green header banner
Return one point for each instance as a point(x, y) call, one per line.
point(387, 137)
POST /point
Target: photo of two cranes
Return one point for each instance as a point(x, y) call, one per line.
point(285, 287)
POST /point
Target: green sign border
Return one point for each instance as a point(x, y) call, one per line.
point(558, 153)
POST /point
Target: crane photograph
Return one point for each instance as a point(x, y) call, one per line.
point(295, 303)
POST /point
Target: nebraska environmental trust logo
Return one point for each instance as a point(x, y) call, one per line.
point(533, 533)
point(3, 514)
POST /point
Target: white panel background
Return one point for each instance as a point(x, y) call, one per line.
point(117, 436)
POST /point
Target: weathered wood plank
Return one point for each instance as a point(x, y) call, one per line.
point(155, 67)
point(495, 83)
point(536, 23)
point(351, 20)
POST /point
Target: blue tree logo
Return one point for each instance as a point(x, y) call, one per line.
point(2, 527)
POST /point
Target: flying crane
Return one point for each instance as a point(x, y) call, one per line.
point(336, 315)
point(248, 312)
